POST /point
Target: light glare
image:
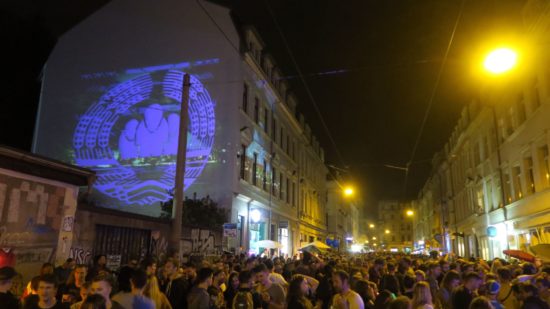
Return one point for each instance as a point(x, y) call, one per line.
point(500, 60)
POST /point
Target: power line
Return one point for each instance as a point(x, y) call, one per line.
point(301, 76)
point(432, 96)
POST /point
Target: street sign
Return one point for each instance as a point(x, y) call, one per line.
point(230, 230)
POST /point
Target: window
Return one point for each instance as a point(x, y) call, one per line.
point(521, 113)
point(288, 191)
point(544, 166)
point(288, 145)
point(274, 181)
point(281, 184)
point(507, 187)
point(245, 98)
point(243, 162)
point(266, 120)
point(264, 176)
point(516, 174)
point(489, 187)
point(529, 174)
point(255, 170)
point(293, 194)
point(536, 94)
point(256, 110)
point(281, 137)
point(274, 129)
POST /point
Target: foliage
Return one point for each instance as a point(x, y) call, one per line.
point(198, 213)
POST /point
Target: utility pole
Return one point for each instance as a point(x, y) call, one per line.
point(177, 207)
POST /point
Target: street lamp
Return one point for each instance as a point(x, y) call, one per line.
point(500, 60)
point(387, 231)
point(371, 226)
point(348, 191)
point(410, 214)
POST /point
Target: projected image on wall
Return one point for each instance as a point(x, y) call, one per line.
point(129, 136)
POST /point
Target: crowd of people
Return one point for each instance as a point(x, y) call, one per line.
point(319, 280)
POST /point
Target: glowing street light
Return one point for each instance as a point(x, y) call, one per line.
point(373, 238)
point(500, 60)
point(387, 231)
point(371, 226)
point(410, 213)
point(348, 191)
point(255, 215)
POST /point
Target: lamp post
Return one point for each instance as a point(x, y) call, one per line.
point(410, 214)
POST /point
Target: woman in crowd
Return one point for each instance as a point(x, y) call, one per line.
point(422, 297)
point(297, 292)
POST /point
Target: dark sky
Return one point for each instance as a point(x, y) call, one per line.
point(386, 54)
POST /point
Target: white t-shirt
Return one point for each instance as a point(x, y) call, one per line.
point(277, 278)
point(350, 298)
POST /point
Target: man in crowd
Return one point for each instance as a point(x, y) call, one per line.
point(103, 285)
point(273, 294)
point(198, 297)
point(62, 272)
point(135, 298)
point(345, 298)
point(47, 289)
point(7, 299)
point(465, 293)
point(71, 288)
point(177, 287)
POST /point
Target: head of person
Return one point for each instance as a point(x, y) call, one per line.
point(261, 274)
point(340, 281)
point(269, 264)
point(492, 287)
point(472, 281)
point(46, 269)
point(102, 285)
point(451, 280)
point(205, 276)
point(445, 266)
point(364, 290)
point(421, 294)
point(7, 274)
point(246, 279)
point(481, 302)
point(420, 275)
point(379, 263)
point(123, 279)
point(298, 287)
point(70, 263)
point(504, 274)
point(523, 290)
point(383, 299)
point(529, 269)
point(401, 302)
point(84, 290)
point(149, 265)
point(79, 274)
point(408, 282)
point(138, 280)
point(233, 280)
point(47, 287)
point(434, 269)
point(220, 276)
point(171, 267)
point(100, 260)
point(542, 284)
point(94, 301)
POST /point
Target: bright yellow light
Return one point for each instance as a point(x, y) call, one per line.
point(366, 241)
point(371, 226)
point(410, 213)
point(387, 231)
point(500, 60)
point(373, 238)
point(348, 191)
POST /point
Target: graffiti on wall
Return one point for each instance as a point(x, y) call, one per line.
point(201, 242)
point(81, 255)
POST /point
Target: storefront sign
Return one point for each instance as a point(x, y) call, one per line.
point(230, 230)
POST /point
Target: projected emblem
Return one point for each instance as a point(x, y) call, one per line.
point(130, 137)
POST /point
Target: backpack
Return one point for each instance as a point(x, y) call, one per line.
point(243, 300)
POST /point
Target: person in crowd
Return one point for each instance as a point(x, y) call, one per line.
point(103, 285)
point(481, 302)
point(527, 294)
point(232, 287)
point(297, 292)
point(383, 299)
point(177, 286)
point(84, 291)
point(365, 290)
point(7, 299)
point(246, 297)
point(275, 277)
point(434, 271)
point(273, 294)
point(451, 280)
point(408, 285)
point(94, 301)
point(62, 272)
point(99, 266)
point(401, 302)
point(135, 297)
point(389, 280)
point(149, 265)
point(71, 288)
point(47, 289)
point(505, 295)
point(543, 286)
point(46, 269)
point(463, 295)
point(422, 296)
point(376, 272)
point(345, 297)
point(198, 297)
point(152, 290)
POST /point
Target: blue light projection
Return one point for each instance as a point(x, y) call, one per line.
point(130, 137)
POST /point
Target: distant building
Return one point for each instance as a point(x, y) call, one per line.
point(394, 227)
point(343, 215)
point(111, 103)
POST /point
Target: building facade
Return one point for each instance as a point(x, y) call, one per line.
point(343, 215)
point(112, 104)
point(394, 228)
point(494, 173)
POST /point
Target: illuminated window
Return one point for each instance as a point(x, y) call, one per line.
point(274, 190)
point(544, 166)
point(245, 98)
point(530, 176)
point(518, 190)
point(507, 187)
point(255, 170)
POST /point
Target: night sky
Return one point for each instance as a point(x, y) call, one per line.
point(371, 67)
